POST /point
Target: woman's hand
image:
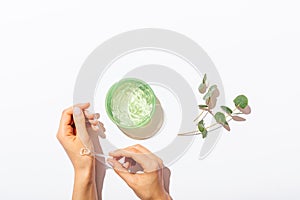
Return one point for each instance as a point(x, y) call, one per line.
point(148, 185)
point(73, 134)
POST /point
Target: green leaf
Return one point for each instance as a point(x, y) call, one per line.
point(206, 96)
point(204, 79)
point(220, 118)
point(227, 110)
point(201, 127)
point(202, 88)
point(202, 106)
point(241, 101)
point(204, 133)
point(210, 92)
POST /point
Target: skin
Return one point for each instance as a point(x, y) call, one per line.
point(78, 127)
point(72, 130)
point(153, 183)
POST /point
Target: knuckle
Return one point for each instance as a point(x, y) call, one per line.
point(155, 166)
point(138, 145)
point(131, 150)
point(160, 162)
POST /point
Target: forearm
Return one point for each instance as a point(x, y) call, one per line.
point(84, 186)
point(100, 174)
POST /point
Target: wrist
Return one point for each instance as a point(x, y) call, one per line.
point(84, 178)
point(161, 195)
point(84, 164)
point(85, 175)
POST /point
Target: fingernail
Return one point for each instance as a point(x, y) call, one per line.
point(96, 128)
point(76, 111)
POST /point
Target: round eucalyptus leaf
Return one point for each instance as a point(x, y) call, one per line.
point(220, 118)
point(210, 92)
point(212, 88)
point(202, 88)
point(216, 93)
point(211, 102)
point(246, 110)
point(207, 96)
point(241, 101)
point(237, 118)
point(227, 110)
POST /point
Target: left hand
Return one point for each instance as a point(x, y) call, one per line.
point(73, 134)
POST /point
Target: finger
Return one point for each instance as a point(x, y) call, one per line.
point(133, 166)
point(81, 130)
point(148, 164)
point(94, 122)
point(153, 157)
point(130, 161)
point(142, 148)
point(120, 170)
point(102, 128)
point(148, 153)
point(95, 128)
point(126, 165)
point(67, 119)
point(116, 165)
point(90, 116)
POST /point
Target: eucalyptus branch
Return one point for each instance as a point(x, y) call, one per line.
point(210, 98)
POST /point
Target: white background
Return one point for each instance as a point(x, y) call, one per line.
point(255, 45)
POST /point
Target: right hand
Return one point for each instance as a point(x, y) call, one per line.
point(148, 185)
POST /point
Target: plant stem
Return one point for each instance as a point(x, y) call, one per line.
point(192, 133)
point(196, 132)
point(239, 113)
point(219, 126)
point(198, 116)
point(234, 109)
point(212, 125)
point(188, 132)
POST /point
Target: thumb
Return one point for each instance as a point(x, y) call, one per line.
point(120, 170)
point(81, 130)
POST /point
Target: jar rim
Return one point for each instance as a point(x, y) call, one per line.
point(111, 92)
